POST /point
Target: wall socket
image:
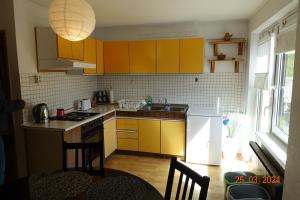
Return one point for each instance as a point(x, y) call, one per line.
point(37, 79)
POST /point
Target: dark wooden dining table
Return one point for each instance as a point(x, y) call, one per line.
point(115, 184)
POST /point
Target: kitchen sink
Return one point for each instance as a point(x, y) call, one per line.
point(177, 109)
point(165, 108)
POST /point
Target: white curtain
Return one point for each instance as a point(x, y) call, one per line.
point(286, 41)
point(263, 56)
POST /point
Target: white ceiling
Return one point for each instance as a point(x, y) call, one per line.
point(133, 12)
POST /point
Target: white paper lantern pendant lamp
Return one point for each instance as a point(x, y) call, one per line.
point(73, 20)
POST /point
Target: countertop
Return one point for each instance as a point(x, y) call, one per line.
point(59, 125)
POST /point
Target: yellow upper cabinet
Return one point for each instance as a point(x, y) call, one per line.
point(173, 137)
point(100, 63)
point(191, 55)
point(90, 54)
point(167, 56)
point(64, 48)
point(149, 136)
point(69, 50)
point(116, 57)
point(77, 50)
point(142, 56)
point(90, 50)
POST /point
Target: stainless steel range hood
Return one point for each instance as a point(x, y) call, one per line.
point(46, 48)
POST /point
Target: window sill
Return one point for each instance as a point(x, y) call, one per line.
point(277, 148)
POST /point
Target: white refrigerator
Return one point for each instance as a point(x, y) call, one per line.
point(204, 136)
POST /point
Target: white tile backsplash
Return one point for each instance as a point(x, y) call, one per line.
point(210, 89)
point(60, 90)
point(57, 90)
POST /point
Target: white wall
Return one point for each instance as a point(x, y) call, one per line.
point(208, 30)
point(270, 12)
point(27, 16)
point(292, 175)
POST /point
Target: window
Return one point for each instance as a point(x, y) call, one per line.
point(265, 64)
point(283, 94)
point(276, 59)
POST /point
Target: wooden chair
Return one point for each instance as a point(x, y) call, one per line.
point(203, 181)
point(89, 147)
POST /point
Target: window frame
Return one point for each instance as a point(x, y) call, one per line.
point(271, 72)
point(279, 73)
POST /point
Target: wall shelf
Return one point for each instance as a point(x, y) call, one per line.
point(240, 45)
point(236, 64)
point(239, 41)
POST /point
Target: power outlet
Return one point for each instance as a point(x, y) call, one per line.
point(37, 79)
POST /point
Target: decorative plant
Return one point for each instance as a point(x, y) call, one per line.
point(149, 100)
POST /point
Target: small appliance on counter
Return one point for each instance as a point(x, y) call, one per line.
point(40, 113)
point(60, 113)
point(84, 104)
point(102, 97)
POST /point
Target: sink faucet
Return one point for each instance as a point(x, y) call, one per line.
point(164, 100)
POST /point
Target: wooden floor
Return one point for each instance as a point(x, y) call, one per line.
point(155, 171)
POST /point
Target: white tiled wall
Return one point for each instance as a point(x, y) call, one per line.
point(57, 90)
point(225, 88)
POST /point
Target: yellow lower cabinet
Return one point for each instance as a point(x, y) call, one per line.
point(128, 144)
point(110, 137)
point(127, 124)
point(149, 136)
point(173, 137)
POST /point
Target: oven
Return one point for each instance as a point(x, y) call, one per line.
point(92, 132)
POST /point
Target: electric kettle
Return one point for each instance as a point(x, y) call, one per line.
point(40, 113)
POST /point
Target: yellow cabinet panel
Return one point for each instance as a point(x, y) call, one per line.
point(173, 137)
point(191, 55)
point(100, 64)
point(77, 50)
point(142, 56)
point(128, 144)
point(116, 57)
point(90, 54)
point(127, 124)
point(149, 136)
point(131, 134)
point(167, 56)
point(110, 138)
point(64, 48)
point(90, 50)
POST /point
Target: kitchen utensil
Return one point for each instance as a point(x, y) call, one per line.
point(40, 113)
point(60, 113)
point(84, 104)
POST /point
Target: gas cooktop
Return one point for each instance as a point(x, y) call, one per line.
point(75, 116)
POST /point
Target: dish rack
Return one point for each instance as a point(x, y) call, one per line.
point(131, 104)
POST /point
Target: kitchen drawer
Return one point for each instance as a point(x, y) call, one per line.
point(127, 124)
point(129, 134)
point(128, 144)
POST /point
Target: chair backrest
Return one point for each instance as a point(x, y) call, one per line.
point(202, 181)
point(86, 149)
